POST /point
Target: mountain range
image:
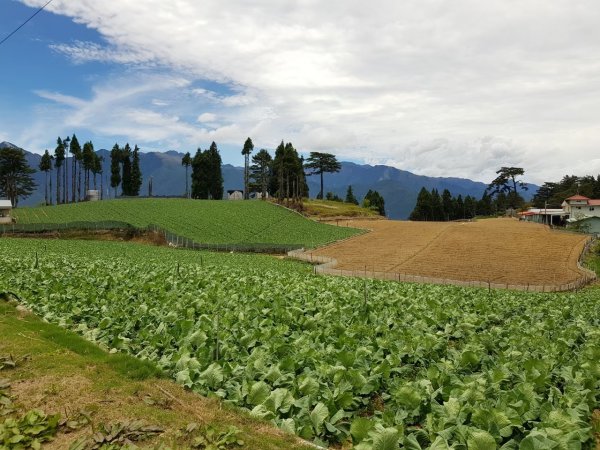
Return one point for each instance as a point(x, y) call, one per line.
point(399, 188)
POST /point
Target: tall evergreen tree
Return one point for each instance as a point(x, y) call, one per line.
point(437, 209)
point(350, 198)
point(460, 207)
point(260, 172)
point(447, 205)
point(46, 166)
point(15, 175)
point(115, 167)
point(215, 180)
point(248, 148)
point(76, 155)
point(97, 169)
point(59, 158)
point(422, 210)
point(507, 182)
point(126, 171)
point(187, 162)
point(320, 163)
point(200, 175)
point(136, 173)
point(87, 158)
point(288, 179)
point(67, 145)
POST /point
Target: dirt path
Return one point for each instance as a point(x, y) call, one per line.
point(495, 250)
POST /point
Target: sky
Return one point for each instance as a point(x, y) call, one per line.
point(440, 88)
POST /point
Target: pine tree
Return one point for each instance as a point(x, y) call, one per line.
point(200, 175)
point(126, 171)
point(215, 180)
point(350, 198)
point(447, 205)
point(115, 167)
point(187, 162)
point(136, 174)
point(46, 166)
point(75, 150)
point(261, 171)
point(15, 175)
point(422, 210)
point(88, 163)
point(67, 145)
point(437, 210)
point(248, 148)
point(59, 158)
point(375, 201)
point(320, 163)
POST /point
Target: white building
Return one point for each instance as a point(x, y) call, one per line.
point(579, 207)
point(5, 210)
point(235, 194)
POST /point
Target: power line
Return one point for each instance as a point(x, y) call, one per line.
point(24, 23)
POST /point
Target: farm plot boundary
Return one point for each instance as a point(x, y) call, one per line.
point(503, 252)
point(172, 239)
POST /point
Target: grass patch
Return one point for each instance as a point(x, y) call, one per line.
point(328, 208)
point(58, 372)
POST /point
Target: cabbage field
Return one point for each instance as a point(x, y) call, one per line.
point(380, 364)
point(204, 221)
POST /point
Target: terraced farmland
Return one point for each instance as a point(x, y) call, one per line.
point(212, 222)
point(501, 251)
point(373, 363)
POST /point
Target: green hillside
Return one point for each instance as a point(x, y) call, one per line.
point(212, 222)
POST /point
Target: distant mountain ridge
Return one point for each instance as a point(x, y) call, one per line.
point(398, 187)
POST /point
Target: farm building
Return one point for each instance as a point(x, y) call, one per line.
point(544, 215)
point(579, 207)
point(235, 194)
point(587, 224)
point(5, 210)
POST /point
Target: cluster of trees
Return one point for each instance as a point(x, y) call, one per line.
point(207, 178)
point(125, 170)
point(431, 206)
point(552, 194)
point(86, 165)
point(15, 175)
point(373, 200)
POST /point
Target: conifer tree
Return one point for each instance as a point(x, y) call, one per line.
point(260, 172)
point(248, 148)
point(75, 150)
point(136, 173)
point(350, 198)
point(59, 158)
point(126, 170)
point(46, 166)
point(115, 167)
point(320, 163)
point(187, 162)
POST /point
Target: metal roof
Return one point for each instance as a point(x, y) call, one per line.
point(5, 204)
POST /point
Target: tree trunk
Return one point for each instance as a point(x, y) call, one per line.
point(322, 193)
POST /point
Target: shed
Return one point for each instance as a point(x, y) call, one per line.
point(5, 210)
point(587, 224)
point(235, 194)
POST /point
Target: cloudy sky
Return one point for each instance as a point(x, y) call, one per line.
point(437, 87)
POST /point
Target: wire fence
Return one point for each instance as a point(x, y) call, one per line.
point(171, 239)
point(327, 266)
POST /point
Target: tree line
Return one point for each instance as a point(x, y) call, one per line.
point(125, 170)
point(502, 193)
point(552, 194)
point(373, 200)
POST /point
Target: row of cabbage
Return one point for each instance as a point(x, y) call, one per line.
point(384, 365)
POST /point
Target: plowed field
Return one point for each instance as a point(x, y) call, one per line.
point(494, 250)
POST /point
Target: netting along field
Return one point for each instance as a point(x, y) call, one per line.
point(499, 251)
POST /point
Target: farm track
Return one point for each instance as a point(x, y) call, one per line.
point(501, 251)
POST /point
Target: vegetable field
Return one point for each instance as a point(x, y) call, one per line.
point(384, 365)
point(205, 221)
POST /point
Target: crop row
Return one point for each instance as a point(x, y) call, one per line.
point(381, 364)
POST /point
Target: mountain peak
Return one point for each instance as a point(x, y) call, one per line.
point(5, 144)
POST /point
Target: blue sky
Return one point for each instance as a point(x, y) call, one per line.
point(455, 88)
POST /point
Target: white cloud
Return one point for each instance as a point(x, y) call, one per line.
point(207, 117)
point(440, 88)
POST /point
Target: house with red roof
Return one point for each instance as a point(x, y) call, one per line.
point(584, 213)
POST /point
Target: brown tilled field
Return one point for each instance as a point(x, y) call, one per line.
point(494, 250)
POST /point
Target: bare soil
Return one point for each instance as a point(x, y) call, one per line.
point(492, 250)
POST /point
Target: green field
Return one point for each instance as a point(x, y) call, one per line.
point(380, 364)
point(205, 221)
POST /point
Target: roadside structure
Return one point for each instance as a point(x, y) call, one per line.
point(5, 211)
